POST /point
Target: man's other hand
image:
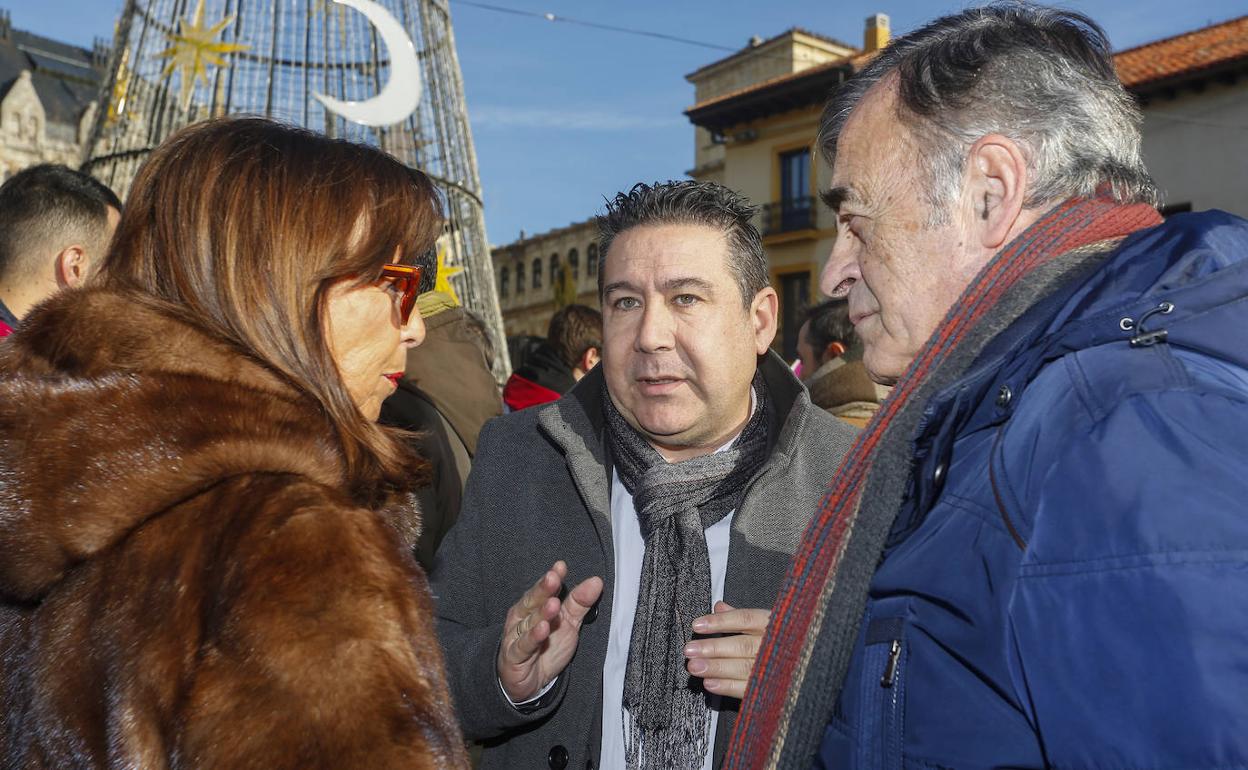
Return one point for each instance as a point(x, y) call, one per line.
point(541, 632)
point(724, 663)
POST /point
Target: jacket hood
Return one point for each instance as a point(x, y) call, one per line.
point(1187, 277)
point(112, 409)
point(1192, 266)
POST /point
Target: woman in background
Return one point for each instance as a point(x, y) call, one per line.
point(204, 542)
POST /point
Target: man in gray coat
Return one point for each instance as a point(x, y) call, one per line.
point(656, 506)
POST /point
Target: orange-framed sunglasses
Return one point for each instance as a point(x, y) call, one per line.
point(406, 278)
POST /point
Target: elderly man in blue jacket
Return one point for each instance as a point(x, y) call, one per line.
point(1037, 555)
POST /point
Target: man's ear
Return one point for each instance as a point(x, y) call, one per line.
point(998, 185)
point(764, 311)
point(589, 359)
point(833, 350)
point(72, 266)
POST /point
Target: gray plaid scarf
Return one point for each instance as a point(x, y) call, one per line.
point(667, 725)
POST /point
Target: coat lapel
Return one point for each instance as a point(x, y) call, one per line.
point(575, 423)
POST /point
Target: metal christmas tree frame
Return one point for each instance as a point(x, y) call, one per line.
point(380, 72)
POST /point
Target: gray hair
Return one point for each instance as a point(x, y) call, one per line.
point(693, 203)
point(1043, 77)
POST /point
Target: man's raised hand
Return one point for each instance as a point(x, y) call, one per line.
point(541, 632)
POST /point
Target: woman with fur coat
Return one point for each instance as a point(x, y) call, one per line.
point(203, 555)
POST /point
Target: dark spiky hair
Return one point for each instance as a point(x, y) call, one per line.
point(693, 203)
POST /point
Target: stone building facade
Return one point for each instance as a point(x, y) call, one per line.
point(538, 274)
point(48, 98)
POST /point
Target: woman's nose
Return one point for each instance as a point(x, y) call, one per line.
point(413, 332)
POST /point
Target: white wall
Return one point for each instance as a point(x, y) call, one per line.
point(1196, 147)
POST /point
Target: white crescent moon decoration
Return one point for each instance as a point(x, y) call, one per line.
point(401, 95)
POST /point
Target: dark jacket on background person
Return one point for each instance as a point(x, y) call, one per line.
point(449, 367)
point(845, 391)
point(436, 441)
point(446, 395)
point(543, 378)
point(185, 581)
point(1066, 584)
point(540, 492)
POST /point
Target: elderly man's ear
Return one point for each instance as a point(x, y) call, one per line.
point(998, 187)
point(72, 266)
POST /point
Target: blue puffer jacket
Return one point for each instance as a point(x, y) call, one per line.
point(1067, 585)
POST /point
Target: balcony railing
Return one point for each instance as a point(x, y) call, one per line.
point(788, 215)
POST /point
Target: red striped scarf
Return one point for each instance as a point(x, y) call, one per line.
point(801, 666)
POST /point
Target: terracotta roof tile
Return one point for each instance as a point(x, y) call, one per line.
point(1184, 54)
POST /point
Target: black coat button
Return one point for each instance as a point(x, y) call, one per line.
point(592, 615)
point(938, 476)
point(558, 758)
point(1004, 396)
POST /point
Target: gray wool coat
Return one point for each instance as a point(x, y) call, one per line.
point(538, 492)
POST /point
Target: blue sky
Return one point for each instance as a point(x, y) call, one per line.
point(565, 115)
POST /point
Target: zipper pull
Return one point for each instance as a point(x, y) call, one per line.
point(890, 670)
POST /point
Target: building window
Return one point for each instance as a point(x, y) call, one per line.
point(554, 269)
point(574, 262)
point(591, 259)
point(794, 297)
point(537, 273)
point(504, 282)
point(795, 174)
point(795, 210)
point(519, 278)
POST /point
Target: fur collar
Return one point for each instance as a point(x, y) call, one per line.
point(113, 409)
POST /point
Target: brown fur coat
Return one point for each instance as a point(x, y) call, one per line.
point(183, 580)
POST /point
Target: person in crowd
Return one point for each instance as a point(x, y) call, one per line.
point(520, 347)
point(445, 397)
point(458, 346)
point(599, 596)
point(55, 225)
point(572, 347)
point(831, 364)
point(1037, 555)
point(205, 562)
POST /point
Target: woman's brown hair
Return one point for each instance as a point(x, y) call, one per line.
point(244, 224)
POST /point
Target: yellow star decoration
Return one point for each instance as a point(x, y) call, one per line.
point(443, 283)
point(117, 108)
point(194, 47)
